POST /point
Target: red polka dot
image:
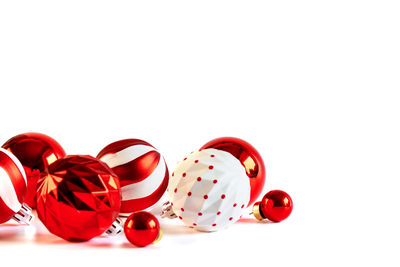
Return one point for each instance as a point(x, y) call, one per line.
point(212, 156)
point(218, 213)
point(180, 217)
point(234, 205)
point(230, 218)
point(176, 190)
point(205, 196)
point(189, 194)
point(173, 174)
point(184, 174)
point(172, 204)
point(242, 206)
point(191, 227)
point(196, 161)
point(200, 214)
point(211, 167)
point(222, 196)
point(194, 224)
point(215, 181)
point(185, 159)
point(198, 179)
point(214, 225)
point(182, 209)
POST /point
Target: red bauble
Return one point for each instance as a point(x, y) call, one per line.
point(36, 152)
point(142, 228)
point(275, 206)
point(78, 198)
point(248, 157)
point(142, 172)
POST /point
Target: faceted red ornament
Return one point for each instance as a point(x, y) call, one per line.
point(78, 198)
point(248, 157)
point(142, 228)
point(275, 206)
point(36, 152)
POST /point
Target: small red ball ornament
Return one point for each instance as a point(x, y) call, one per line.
point(248, 157)
point(275, 206)
point(78, 198)
point(142, 228)
point(36, 152)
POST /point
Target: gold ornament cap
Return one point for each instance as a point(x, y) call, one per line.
point(257, 211)
point(160, 234)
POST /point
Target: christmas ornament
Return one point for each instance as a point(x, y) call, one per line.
point(36, 152)
point(208, 190)
point(142, 173)
point(12, 190)
point(78, 198)
point(248, 157)
point(275, 206)
point(142, 228)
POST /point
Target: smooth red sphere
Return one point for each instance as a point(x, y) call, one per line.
point(78, 198)
point(276, 205)
point(142, 228)
point(36, 152)
point(248, 157)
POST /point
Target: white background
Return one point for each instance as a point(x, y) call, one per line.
point(313, 85)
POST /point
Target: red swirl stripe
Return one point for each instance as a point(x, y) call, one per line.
point(142, 167)
point(128, 206)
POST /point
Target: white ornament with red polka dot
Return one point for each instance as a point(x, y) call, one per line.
point(209, 190)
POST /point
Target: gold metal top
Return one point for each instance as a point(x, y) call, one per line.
point(158, 237)
point(256, 211)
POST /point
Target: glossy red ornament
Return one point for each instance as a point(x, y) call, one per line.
point(142, 228)
point(36, 152)
point(275, 206)
point(248, 157)
point(78, 198)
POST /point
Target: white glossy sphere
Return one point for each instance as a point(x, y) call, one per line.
point(209, 190)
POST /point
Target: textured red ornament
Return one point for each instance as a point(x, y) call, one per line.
point(36, 152)
point(12, 185)
point(250, 159)
point(142, 172)
point(142, 228)
point(276, 205)
point(78, 198)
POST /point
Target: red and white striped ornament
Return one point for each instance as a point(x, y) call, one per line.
point(142, 172)
point(12, 189)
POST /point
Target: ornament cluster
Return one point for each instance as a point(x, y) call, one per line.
point(79, 197)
